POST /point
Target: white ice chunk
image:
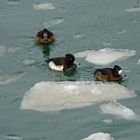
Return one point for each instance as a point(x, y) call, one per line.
point(106, 56)
point(43, 6)
point(55, 96)
point(99, 136)
point(116, 108)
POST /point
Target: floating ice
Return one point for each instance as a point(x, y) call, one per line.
point(106, 56)
point(13, 2)
point(2, 50)
point(44, 6)
point(116, 108)
point(12, 137)
point(29, 61)
point(13, 49)
point(8, 78)
point(108, 121)
point(99, 136)
point(54, 21)
point(138, 62)
point(78, 36)
point(135, 9)
point(55, 96)
point(107, 43)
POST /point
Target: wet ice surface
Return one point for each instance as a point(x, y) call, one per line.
point(55, 96)
point(106, 56)
point(99, 136)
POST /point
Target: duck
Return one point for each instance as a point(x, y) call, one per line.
point(64, 64)
point(108, 74)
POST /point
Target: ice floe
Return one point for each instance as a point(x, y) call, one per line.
point(105, 56)
point(54, 21)
point(29, 61)
point(8, 78)
point(13, 49)
point(138, 62)
point(108, 121)
point(2, 50)
point(134, 9)
point(12, 137)
point(78, 36)
point(13, 2)
point(99, 136)
point(55, 96)
point(43, 6)
point(115, 108)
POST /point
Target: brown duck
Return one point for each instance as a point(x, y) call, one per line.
point(108, 74)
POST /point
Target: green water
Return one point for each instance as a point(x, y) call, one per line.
point(77, 25)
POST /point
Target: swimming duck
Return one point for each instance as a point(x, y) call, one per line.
point(108, 74)
point(62, 63)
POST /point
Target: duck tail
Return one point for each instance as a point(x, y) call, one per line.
point(47, 60)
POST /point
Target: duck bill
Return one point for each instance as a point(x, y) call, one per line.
point(120, 71)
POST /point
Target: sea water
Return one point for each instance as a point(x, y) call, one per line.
point(37, 103)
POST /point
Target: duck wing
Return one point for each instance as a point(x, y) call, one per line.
point(57, 60)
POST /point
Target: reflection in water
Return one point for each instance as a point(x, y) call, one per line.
point(46, 51)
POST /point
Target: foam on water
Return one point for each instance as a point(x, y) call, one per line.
point(106, 56)
point(118, 109)
point(55, 96)
point(8, 78)
point(43, 6)
point(99, 136)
